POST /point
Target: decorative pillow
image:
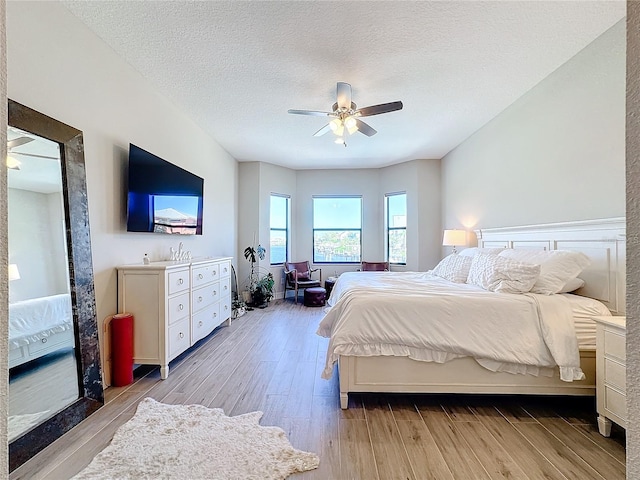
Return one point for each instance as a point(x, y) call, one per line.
point(572, 285)
point(557, 267)
point(471, 252)
point(454, 268)
point(499, 274)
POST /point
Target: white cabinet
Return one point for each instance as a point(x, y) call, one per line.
point(611, 368)
point(174, 304)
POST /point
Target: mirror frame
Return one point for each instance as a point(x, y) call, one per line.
point(81, 285)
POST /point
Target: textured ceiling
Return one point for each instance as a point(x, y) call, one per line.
point(237, 67)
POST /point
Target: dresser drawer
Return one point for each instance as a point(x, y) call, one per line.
point(225, 287)
point(225, 308)
point(225, 268)
point(205, 296)
point(615, 374)
point(178, 281)
point(178, 307)
point(179, 338)
point(614, 345)
point(615, 402)
point(204, 322)
point(205, 274)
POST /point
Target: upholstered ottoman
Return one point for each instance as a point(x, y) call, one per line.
point(315, 297)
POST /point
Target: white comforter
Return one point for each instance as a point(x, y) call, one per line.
point(426, 318)
point(32, 320)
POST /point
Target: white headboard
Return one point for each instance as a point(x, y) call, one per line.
point(603, 241)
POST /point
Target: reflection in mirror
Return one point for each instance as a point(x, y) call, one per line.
point(56, 378)
point(42, 358)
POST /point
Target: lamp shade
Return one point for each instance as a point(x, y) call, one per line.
point(14, 274)
point(455, 238)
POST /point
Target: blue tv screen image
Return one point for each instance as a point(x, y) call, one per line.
point(162, 197)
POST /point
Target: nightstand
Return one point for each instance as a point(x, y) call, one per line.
point(611, 369)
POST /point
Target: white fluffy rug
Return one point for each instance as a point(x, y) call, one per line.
point(19, 424)
point(192, 442)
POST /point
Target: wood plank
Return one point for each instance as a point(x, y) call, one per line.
point(596, 457)
point(495, 459)
point(357, 461)
point(424, 456)
point(455, 450)
point(391, 456)
point(562, 457)
point(614, 445)
point(536, 465)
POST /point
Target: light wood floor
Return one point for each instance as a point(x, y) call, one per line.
point(270, 360)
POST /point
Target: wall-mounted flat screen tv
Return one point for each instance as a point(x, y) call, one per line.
point(162, 197)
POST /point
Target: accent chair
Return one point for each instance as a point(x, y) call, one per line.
point(298, 277)
point(374, 266)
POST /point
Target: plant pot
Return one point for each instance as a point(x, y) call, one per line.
point(246, 296)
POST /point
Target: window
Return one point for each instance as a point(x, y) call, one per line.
point(396, 210)
point(337, 229)
point(279, 223)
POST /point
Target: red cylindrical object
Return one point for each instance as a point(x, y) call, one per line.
point(121, 349)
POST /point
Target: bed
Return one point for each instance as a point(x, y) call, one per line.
point(425, 367)
point(38, 327)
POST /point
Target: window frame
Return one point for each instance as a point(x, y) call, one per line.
point(286, 230)
point(314, 229)
point(388, 228)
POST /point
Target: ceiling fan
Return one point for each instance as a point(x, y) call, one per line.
point(12, 162)
point(346, 115)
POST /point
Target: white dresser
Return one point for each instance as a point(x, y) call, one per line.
point(174, 304)
point(611, 369)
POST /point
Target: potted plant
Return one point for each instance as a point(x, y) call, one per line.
point(238, 308)
point(263, 291)
point(260, 287)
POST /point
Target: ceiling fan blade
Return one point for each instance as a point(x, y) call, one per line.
point(16, 142)
point(344, 95)
point(323, 130)
point(35, 156)
point(366, 129)
point(378, 109)
point(315, 113)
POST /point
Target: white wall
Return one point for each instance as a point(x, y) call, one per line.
point(556, 154)
point(37, 244)
point(60, 68)
point(420, 179)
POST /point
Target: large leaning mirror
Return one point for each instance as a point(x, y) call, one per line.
point(55, 380)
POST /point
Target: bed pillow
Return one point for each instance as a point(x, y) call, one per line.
point(499, 274)
point(572, 285)
point(557, 267)
point(471, 252)
point(454, 268)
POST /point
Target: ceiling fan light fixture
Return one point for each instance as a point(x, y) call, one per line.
point(336, 126)
point(12, 163)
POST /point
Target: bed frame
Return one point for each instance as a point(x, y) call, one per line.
point(602, 240)
point(45, 346)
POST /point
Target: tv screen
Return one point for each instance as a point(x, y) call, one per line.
point(162, 197)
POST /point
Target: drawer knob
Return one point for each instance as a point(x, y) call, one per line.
point(181, 335)
point(225, 270)
point(181, 307)
point(226, 307)
point(199, 299)
point(180, 281)
point(200, 323)
point(214, 272)
point(215, 293)
point(215, 314)
point(200, 276)
point(44, 340)
point(226, 288)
